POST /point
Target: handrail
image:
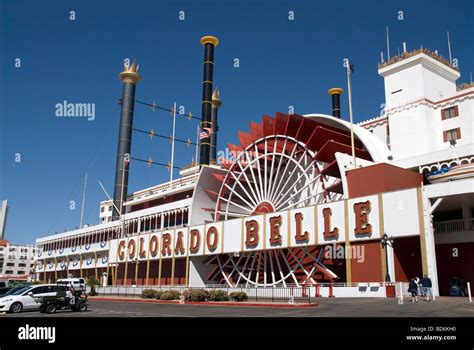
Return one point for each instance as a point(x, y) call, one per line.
point(454, 225)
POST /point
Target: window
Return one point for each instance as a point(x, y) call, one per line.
point(109, 219)
point(36, 290)
point(451, 135)
point(10, 264)
point(110, 208)
point(21, 265)
point(449, 113)
point(102, 209)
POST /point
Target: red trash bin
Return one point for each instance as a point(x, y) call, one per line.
point(390, 290)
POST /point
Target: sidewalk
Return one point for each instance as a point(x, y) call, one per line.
point(206, 303)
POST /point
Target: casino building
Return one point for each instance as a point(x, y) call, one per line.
point(297, 188)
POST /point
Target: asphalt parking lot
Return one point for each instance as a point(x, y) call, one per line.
point(341, 307)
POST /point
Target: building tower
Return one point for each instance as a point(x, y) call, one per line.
point(415, 84)
point(129, 78)
point(209, 42)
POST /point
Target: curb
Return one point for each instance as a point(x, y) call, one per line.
point(210, 303)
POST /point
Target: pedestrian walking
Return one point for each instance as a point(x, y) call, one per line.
point(427, 288)
point(419, 286)
point(413, 290)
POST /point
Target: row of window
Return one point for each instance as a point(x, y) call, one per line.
point(146, 224)
point(103, 209)
point(10, 264)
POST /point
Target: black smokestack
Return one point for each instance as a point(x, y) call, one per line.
point(129, 77)
point(336, 101)
point(209, 42)
point(216, 103)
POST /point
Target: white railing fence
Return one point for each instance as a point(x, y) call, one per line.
point(306, 293)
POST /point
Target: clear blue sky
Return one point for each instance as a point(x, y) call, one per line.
point(282, 63)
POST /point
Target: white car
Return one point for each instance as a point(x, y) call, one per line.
point(23, 299)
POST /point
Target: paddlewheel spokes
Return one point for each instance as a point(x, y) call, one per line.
point(275, 173)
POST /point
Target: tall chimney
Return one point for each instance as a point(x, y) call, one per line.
point(129, 78)
point(216, 103)
point(336, 101)
point(209, 42)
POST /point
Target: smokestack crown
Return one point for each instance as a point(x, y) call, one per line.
point(130, 74)
point(335, 91)
point(209, 39)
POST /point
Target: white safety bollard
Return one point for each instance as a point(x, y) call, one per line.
point(469, 291)
point(400, 301)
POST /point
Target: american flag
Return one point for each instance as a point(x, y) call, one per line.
point(205, 133)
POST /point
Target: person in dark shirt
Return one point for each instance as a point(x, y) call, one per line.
point(427, 288)
point(413, 290)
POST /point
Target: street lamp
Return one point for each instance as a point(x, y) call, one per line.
point(386, 241)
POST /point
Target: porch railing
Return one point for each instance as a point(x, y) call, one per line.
point(454, 225)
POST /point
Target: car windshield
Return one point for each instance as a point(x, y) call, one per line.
point(22, 290)
point(13, 290)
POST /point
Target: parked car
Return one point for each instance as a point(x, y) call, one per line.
point(24, 298)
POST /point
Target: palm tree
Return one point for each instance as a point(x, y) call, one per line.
point(92, 282)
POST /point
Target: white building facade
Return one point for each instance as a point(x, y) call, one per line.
point(428, 124)
point(16, 261)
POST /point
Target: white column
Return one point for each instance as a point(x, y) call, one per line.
point(391, 263)
point(430, 244)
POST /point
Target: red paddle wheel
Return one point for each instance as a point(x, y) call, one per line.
point(283, 163)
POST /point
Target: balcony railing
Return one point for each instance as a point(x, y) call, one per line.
point(454, 225)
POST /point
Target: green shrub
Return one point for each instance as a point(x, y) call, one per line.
point(196, 295)
point(158, 294)
point(238, 296)
point(218, 295)
point(170, 295)
point(149, 294)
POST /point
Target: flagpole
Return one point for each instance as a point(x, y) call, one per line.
point(172, 142)
point(350, 111)
point(83, 201)
point(449, 49)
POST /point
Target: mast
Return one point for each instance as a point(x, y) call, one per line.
point(172, 142)
point(83, 201)
point(350, 111)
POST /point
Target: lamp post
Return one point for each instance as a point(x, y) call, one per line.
point(386, 241)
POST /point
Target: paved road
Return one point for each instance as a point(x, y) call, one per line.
point(349, 307)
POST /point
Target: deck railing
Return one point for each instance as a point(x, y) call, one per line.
point(454, 225)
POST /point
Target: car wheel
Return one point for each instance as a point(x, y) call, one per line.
point(82, 307)
point(51, 309)
point(16, 307)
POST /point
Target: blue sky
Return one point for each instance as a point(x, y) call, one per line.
point(282, 63)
